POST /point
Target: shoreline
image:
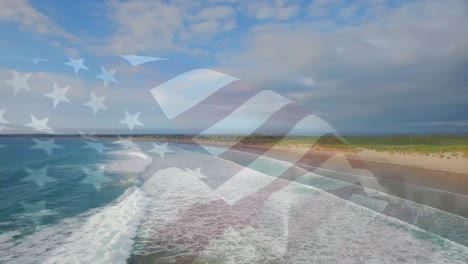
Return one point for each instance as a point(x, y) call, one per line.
point(434, 162)
point(430, 171)
point(451, 162)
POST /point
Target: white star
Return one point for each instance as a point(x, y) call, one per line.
point(131, 120)
point(197, 173)
point(88, 136)
point(34, 207)
point(77, 65)
point(58, 95)
point(19, 82)
point(40, 125)
point(37, 60)
point(40, 176)
point(47, 145)
point(35, 211)
point(161, 149)
point(96, 103)
point(95, 177)
point(2, 119)
point(107, 76)
point(99, 147)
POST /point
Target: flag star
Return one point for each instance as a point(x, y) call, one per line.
point(40, 125)
point(96, 103)
point(19, 82)
point(107, 76)
point(131, 120)
point(35, 61)
point(88, 136)
point(95, 177)
point(34, 207)
point(47, 145)
point(40, 176)
point(58, 95)
point(99, 147)
point(77, 65)
point(161, 149)
point(197, 173)
point(2, 119)
point(35, 211)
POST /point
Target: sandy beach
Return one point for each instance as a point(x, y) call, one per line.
point(432, 171)
point(453, 162)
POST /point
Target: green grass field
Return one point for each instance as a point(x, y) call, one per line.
point(424, 144)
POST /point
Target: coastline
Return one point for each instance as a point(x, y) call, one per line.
point(433, 170)
point(424, 174)
point(451, 162)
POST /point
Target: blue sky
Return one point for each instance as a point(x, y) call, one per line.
point(364, 66)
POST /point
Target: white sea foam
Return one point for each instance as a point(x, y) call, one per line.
point(297, 224)
point(128, 161)
point(103, 235)
point(106, 237)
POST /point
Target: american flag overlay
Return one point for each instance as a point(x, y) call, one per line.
point(146, 186)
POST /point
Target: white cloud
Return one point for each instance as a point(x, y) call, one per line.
point(411, 34)
point(156, 26)
point(323, 8)
point(21, 12)
point(272, 9)
point(210, 21)
point(143, 25)
point(396, 65)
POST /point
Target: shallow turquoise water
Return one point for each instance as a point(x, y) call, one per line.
point(63, 196)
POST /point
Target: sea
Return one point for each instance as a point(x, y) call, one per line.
point(82, 200)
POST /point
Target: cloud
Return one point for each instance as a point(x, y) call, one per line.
point(268, 9)
point(74, 116)
point(402, 65)
point(142, 26)
point(209, 21)
point(353, 62)
point(163, 27)
point(322, 8)
point(22, 13)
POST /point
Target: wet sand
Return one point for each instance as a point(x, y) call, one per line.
point(444, 190)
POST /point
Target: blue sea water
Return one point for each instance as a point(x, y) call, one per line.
point(73, 219)
point(65, 195)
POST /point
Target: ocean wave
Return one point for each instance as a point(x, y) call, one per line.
point(129, 161)
point(103, 235)
point(186, 219)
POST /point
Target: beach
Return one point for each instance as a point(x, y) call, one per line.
point(421, 179)
point(247, 205)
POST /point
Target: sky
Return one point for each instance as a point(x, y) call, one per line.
point(363, 66)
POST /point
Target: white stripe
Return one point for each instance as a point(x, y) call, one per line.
point(138, 60)
point(273, 167)
point(371, 203)
point(246, 118)
point(188, 89)
point(312, 125)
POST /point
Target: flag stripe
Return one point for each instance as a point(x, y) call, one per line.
point(215, 107)
point(264, 104)
point(177, 95)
